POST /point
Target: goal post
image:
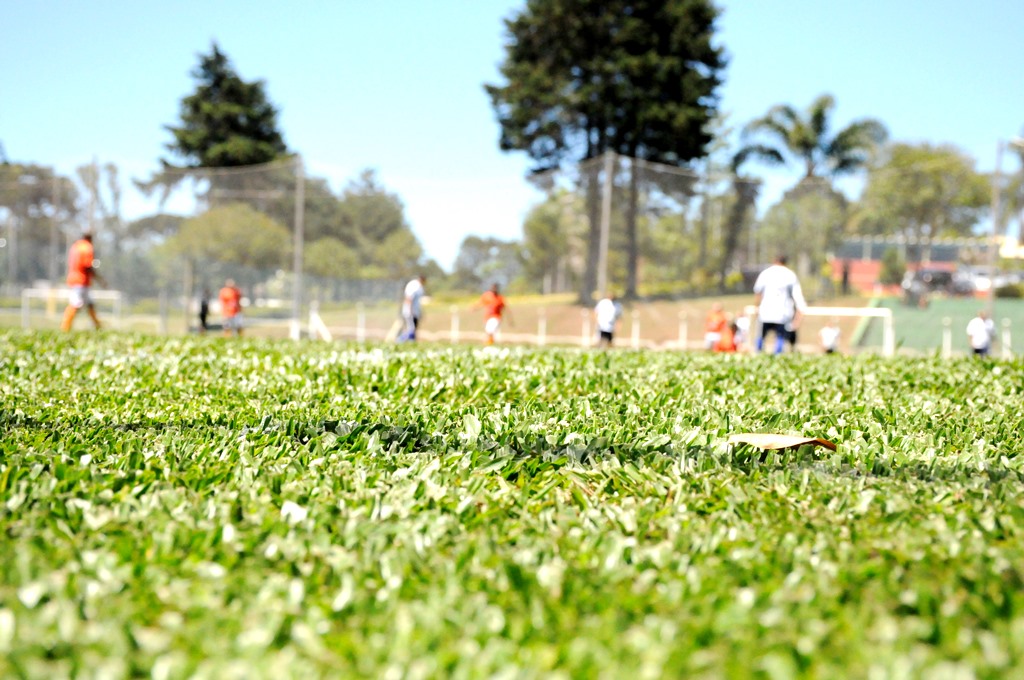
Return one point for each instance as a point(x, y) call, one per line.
point(883, 313)
point(55, 300)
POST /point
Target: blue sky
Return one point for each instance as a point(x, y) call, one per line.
point(396, 85)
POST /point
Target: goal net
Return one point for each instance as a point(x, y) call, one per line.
point(44, 307)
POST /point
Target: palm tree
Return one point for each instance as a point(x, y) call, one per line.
point(1015, 193)
point(784, 132)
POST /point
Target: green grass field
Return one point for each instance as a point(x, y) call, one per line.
point(197, 507)
point(920, 330)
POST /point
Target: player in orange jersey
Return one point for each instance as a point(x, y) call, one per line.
point(727, 337)
point(494, 307)
point(231, 308)
point(81, 273)
point(714, 325)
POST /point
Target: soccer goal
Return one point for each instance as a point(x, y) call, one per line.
point(49, 304)
point(883, 313)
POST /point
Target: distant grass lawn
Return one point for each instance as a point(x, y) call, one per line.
point(660, 322)
point(921, 329)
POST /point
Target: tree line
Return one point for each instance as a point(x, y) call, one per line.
point(582, 81)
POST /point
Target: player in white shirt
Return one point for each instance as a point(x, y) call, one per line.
point(780, 302)
point(412, 307)
point(607, 313)
point(829, 336)
point(980, 331)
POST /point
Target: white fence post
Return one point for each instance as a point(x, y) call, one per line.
point(888, 335)
point(455, 323)
point(1007, 348)
point(683, 329)
point(317, 327)
point(947, 337)
point(585, 340)
point(636, 329)
point(542, 326)
point(360, 322)
point(162, 328)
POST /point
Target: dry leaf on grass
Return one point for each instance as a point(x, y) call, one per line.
point(779, 441)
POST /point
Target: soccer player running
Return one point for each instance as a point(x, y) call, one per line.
point(81, 273)
point(231, 308)
point(494, 306)
point(412, 307)
point(780, 303)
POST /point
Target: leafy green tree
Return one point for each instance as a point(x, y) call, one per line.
point(227, 121)
point(810, 218)
point(482, 261)
point(745, 192)
point(583, 77)
point(806, 224)
point(1015, 191)
point(893, 267)
point(784, 133)
point(42, 206)
point(323, 212)
point(325, 259)
point(554, 243)
point(372, 220)
point(153, 230)
point(234, 234)
point(369, 212)
point(667, 249)
point(330, 257)
point(922, 190)
point(103, 192)
point(398, 256)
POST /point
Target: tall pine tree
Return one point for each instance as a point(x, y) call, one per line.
point(637, 77)
point(227, 121)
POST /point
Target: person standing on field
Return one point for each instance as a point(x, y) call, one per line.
point(727, 337)
point(231, 308)
point(714, 325)
point(204, 310)
point(829, 336)
point(607, 314)
point(980, 332)
point(81, 273)
point(412, 307)
point(494, 306)
point(780, 303)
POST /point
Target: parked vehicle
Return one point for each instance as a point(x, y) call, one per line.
point(925, 281)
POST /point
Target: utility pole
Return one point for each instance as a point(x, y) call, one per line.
point(606, 223)
point(51, 270)
point(993, 246)
point(94, 168)
point(997, 219)
point(300, 214)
